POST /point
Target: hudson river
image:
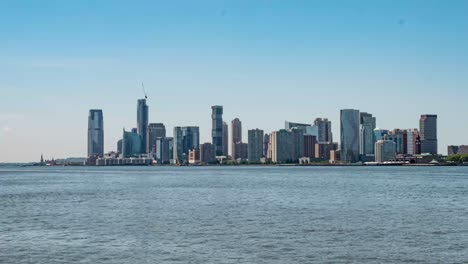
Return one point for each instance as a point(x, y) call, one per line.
point(234, 215)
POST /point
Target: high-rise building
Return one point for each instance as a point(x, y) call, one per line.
point(309, 146)
point(217, 129)
point(142, 121)
point(95, 133)
point(241, 151)
point(163, 150)
point(119, 146)
point(400, 137)
point(207, 153)
point(225, 139)
point(411, 136)
point(266, 142)
point(453, 150)
point(384, 150)
point(380, 134)
point(290, 125)
point(281, 146)
point(155, 130)
point(131, 144)
point(428, 133)
point(324, 130)
point(255, 145)
point(323, 150)
point(366, 134)
point(185, 139)
point(349, 135)
point(236, 135)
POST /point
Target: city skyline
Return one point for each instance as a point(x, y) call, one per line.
point(303, 60)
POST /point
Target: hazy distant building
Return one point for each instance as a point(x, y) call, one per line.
point(400, 137)
point(185, 139)
point(453, 150)
point(350, 120)
point(163, 150)
point(142, 121)
point(384, 150)
point(217, 129)
point(95, 133)
point(324, 130)
point(255, 145)
point(155, 130)
point(225, 139)
point(366, 134)
point(119, 146)
point(131, 144)
point(207, 153)
point(236, 135)
point(428, 133)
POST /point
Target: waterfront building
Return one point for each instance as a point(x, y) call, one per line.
point(207, 153)
point(185, 139)
point(236, 136)
point(411, 140)
point(266, 142)
point(131, 144)
point(281, 146)
point(255, 145)
point(385, 150)
point(217, 129)
point(142, 121)
point(95, 133)
point(194, 156)
point(323, 150)
point(163, 150)
point(350, 120)
point(428, 133)
point(241, 151)
point(366, 135)
point(453, 150)
point(400, 138)
point(154, 131)
point(309, 146)
point(225, 139)
point(324, 130)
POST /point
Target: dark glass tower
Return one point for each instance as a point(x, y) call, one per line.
point(217, 129)
point(142, 122)
point(95, 133)
point(428, 133)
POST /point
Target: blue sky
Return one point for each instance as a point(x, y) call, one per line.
point(265, 61)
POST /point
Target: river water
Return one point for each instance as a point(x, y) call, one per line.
point(234, 214)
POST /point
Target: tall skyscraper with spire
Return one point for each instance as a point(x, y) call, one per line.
point(95, 133)
point(217, 129)
point(142, 122)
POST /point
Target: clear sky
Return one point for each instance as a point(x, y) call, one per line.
point(264, 61)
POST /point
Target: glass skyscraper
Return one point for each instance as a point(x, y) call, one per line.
point(185, 139)
point(95, 133)
point(428, 133)
point(366, 134)
point(142, 122)
point(349, 119)
point(255, 145)
point(131, 144)
point(217, 129)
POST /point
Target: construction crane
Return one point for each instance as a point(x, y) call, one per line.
point(144, 90)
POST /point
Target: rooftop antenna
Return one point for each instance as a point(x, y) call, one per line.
point(144, 90)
